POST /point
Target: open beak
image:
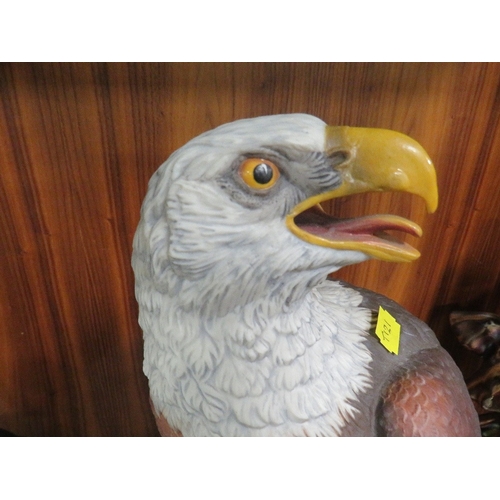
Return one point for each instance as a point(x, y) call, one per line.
point(375, 160)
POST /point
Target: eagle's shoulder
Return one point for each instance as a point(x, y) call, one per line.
point(415, 334)
point(421, 391)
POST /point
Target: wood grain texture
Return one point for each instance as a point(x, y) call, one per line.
point(78, 144)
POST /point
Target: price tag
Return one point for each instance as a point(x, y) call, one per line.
point(388, 330)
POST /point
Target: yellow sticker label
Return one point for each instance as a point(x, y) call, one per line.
point(388, 330)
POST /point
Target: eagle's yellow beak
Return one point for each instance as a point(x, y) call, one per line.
point(373, 160)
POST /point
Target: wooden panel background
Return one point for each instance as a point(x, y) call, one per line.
point(78, 143)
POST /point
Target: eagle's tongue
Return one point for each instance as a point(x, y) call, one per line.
point(318, 223)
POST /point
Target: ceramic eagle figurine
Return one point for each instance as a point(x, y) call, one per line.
point(244, 334)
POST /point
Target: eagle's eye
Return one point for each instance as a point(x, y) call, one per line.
point(258, 173)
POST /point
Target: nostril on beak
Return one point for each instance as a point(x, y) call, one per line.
point(338, 157)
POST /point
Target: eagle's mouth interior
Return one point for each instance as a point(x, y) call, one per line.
point(371, 229)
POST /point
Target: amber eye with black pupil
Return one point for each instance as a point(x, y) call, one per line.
point(258, 173)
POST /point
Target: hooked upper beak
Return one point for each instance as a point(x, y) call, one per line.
point(375, 160)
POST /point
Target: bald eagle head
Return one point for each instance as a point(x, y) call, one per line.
point(242, 333)
point(233, 216)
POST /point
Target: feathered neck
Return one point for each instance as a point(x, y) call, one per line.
point(251, 373)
